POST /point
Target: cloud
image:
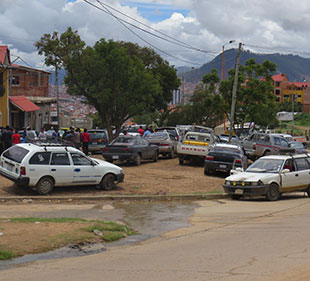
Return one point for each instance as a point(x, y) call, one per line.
point(207, 24)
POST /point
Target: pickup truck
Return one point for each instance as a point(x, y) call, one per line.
point(194, 146)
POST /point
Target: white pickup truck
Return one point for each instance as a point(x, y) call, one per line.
point(194, 146)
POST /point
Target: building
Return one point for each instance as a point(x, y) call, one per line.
point(29, 100)
point(5, 63)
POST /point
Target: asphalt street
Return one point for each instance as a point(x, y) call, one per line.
point(227, 240)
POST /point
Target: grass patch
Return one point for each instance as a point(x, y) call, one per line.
point(55, 220)
point(6, 255)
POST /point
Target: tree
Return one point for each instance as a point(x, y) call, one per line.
point(255, 98)
point(116, 81)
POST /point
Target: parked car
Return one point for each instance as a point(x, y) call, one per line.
point(42, 167)
point(98, 140)
point(261, 144)
point(298, 146)
point(225, 157)
point(166, 142)
point(171, 130)
point(130, 149)
point(270, 176)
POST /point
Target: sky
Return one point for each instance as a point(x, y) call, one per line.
point(194, 31)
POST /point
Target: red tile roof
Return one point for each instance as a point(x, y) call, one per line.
point(279, 77)
point(23, 103)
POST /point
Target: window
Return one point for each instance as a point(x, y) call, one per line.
point(16, 153)
point(278, 92)
point(60, 159)
point(302, 164)
point(15, 80)
point(284, 143)
point(277, 141)
point(278, 99)
point(80, 160)
point(277, 84)
point(286, 96)
point(40, 158)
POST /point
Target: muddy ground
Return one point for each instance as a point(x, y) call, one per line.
point(163, 177)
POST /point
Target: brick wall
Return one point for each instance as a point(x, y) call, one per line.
point(28, 82)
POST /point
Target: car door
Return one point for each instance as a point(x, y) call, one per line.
point(290, 180)
point(85, 171)
point(61, 168)
point(144, 148)
point(303, 168)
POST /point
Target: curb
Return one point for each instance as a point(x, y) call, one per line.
point(181, 197)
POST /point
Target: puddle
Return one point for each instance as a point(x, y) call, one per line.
point(150, 219)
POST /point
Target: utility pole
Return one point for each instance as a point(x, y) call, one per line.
point(57, 96)
point(234, 94)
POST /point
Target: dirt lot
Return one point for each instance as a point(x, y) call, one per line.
point(164, 177)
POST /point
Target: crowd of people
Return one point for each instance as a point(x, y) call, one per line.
point(10, 136)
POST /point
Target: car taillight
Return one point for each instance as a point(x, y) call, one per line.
point(163, 144)
point(23, 171)
point(238, 161)
point(209, 158)
point(105, 149)
point(254, 146)
point(126, 149)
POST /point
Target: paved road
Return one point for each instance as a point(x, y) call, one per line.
point(228, 240)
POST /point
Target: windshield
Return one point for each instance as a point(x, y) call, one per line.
point(16, 153)
point(157, 136)
point(122, 140)
point(226, 150)
point(266, 165)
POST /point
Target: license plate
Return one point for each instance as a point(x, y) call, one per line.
point(115, 157)
point(238, 191)
point(9, 167)
point(222, 166)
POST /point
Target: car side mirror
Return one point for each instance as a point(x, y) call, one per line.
point(285, 171)
point(93, 163)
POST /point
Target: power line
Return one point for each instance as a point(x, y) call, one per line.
point(182, 44)
point(136, 34)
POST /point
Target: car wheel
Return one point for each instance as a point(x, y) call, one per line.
point(267, 153)
point(155, 157)
point(138, 160)
point(235, 196)
point(45, 186)
point(107, 183)
point(171, 155)
point(206, 171)
point(273, 193)
point(181, 161)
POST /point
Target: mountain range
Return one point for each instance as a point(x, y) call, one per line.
point(295, 67)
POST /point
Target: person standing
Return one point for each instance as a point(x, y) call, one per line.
point(55, 136)
point(43, 135)
point(7, 137)
point(141, 131)
point(30, 135)
point(77, 138)
point(85, 137)
point(15, 137)
point(147, 132)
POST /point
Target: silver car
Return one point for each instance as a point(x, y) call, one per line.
point(166, 142)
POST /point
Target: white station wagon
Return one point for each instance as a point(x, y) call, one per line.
point(271, 176)
point(43, 166)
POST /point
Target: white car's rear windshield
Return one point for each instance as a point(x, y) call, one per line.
point(16, 153)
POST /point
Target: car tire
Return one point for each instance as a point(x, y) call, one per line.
point(107, 183)
point(206, 171)
point(235, 196)
point(273, 193)
point(155, 157)
point(267, 153)
point(171, 155)
point(138, 160)
point(181, 161)
point(45, 186)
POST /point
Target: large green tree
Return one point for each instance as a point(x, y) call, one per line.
point(115, 77)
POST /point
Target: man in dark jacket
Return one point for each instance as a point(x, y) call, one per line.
point(7, 137)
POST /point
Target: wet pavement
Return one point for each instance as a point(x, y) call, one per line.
point(150, 219)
